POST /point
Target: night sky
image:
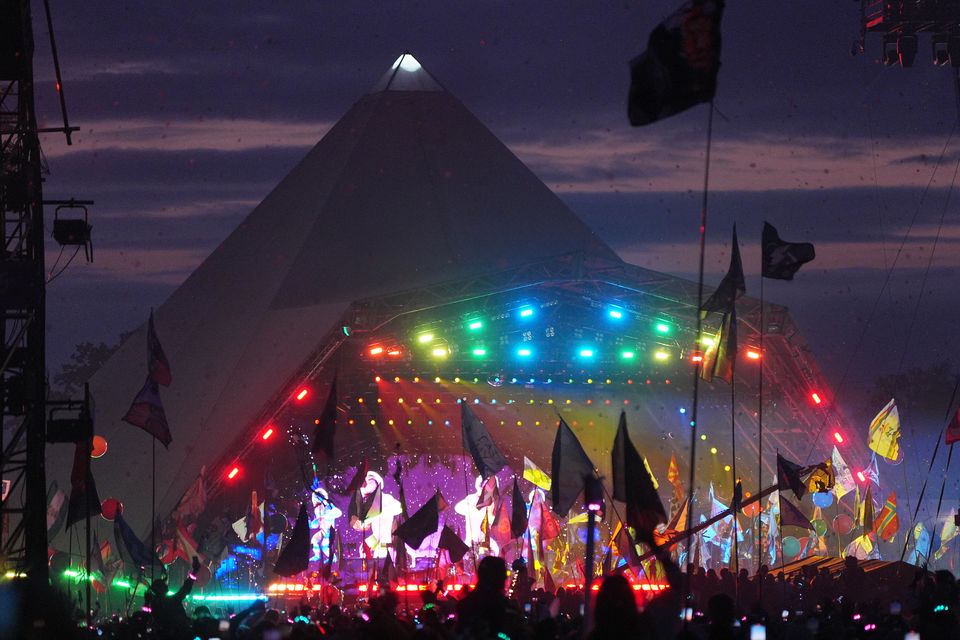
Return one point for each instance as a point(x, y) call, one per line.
point(191, 112)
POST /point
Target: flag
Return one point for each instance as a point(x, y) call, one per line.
point(921, 545)
point(422, 523)
point(632, 484)
point(295, 556)
point(720, 357)
point(501, 530)
point(781, 260)
point(548, 585)
point(194, 500)
point(129, 546)
point(868, 510)
point(146, 412)
point(953, 429)
point(477, 440)
point(673, 477)
point(884, 432)
point(788, 476)
point(358, 478)
point(84, 500)
point(731, 287)
point(624, 544)
point(251, 523)
point(55, 511)
point(455, 546)
point(677, 524)
point(333, 550)
point(158, 368)
point(790, 515)
point(326, 425)
point(489, 493)
point(887, 523)
point(96, 555)
point(862, 548)
point(518, 512)
point(872, 471)
point(536, 475)
point(822, 478)
point(570, 466)
point(541, 520)
point(845, 482)
point(679, 68)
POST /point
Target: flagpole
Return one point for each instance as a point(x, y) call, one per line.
point(759, 538)
point(696, 372)
point(153, 507)
point(87, 510)
point(733, 468)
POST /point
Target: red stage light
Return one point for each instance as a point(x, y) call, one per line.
point(753, 355)
point(302, 393)
point(233, 473)
point(394, 353)
point(816, 397)
point(266, 434)
point(696, 358)
point(861, 477)
point(375, 351)
point(838, 437)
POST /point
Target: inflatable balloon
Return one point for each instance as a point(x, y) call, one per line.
point(843, 524)
point(99, 447)
point(203, 577)
point(110, 508)
point(823, 499)
point(751, 510)
point(820, 526)
point(791, 547)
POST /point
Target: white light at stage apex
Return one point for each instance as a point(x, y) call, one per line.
point(407, 62)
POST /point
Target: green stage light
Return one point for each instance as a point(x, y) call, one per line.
point(586, 353)
point(627, 355)
point(662, 327)
point(524, 352)
point(479, 352)
point(475, 325)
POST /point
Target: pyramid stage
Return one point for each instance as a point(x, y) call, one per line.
point(414, 259)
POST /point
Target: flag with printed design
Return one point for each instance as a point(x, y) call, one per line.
point(781, 259)
point(673, 477)
point(536, 475)
point(845, 482)
point(884, 432)
point(887, 522)
point(872, 471)
point(719, 359)
point(478, 441)
point(822, 478)
point(146, 411)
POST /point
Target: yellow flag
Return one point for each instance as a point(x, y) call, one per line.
point(884, 437)
point(535, 474)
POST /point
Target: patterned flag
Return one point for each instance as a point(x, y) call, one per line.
point(536, 475)
point(295, 556)
point(720, 357)
point(731, 287)
point(953, 429)
point(84, 500)
point(845, 482)
point(887, 523)
point(326, 425)
point(781, 260)
point(146, 412)
point(921, 545)
point(570, 467)
point(884, 433)
point(129, 546)
point(489, 493)
point(158, 368)
point(679, 68)
point(477, 440)
point(862, 548)
point(822, 478)
point(673, 477)
point(872, 471)
point(633, 485)
point(55, 512)
point(194, 501)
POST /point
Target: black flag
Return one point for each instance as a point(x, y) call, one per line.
point(518, 512)
point(788, 477)
point(790, 515)
point(679, 68)
point(731, 287)
point(158, 367)
point(327, 425)
point(295, 557)
point(477, 440)
point(423, 523)
point(781, 259)
point(570, 467)
point(456, 548)
point(632, 484)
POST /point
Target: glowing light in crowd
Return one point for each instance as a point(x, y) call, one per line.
point(233, 473)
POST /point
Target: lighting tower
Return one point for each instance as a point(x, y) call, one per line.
point(901, 21)
point(23, 386)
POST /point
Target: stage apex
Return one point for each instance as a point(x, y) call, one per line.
point(406, 74)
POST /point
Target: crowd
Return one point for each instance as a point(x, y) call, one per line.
point(809, 604)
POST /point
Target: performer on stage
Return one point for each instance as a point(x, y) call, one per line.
point(475, 536)
point(372, 512)
point(325, 514)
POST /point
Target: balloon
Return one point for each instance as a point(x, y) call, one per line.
point(99, 447)
point(110, 508)
point(751, 510)
point(791, 547)
point(823, 499)
point(820, 526)
point(843, 524)
point(203, 576)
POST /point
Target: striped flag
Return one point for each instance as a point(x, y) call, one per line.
point(887, 523)
point(536, 475)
